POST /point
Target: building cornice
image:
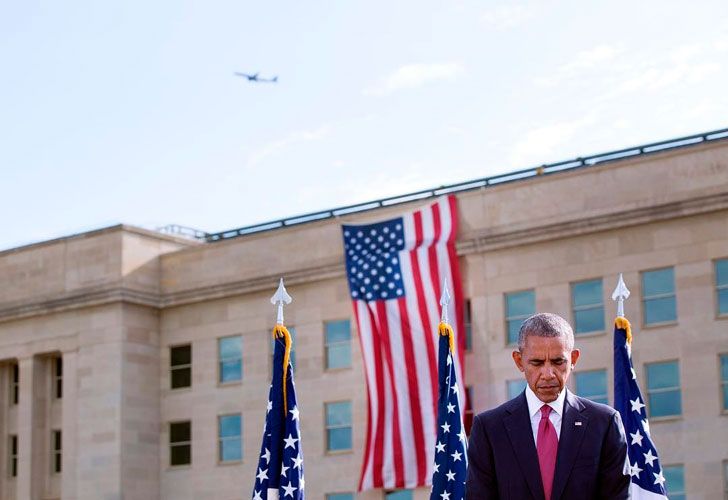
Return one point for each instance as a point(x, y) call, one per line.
point(483, 241)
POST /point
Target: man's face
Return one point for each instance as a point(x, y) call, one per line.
point(546, 363)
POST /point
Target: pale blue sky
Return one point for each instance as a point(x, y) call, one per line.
point(129, 111)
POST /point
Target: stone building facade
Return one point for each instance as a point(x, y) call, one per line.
point(97, 328)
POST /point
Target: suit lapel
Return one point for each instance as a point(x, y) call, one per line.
point(569, 442)
point(520, 433)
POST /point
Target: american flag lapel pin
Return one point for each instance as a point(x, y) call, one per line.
point(578, 424)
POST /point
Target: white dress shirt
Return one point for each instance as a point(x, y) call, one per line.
point(534, 410)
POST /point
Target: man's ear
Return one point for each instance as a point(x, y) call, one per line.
point(518, 359)
point(574, 357)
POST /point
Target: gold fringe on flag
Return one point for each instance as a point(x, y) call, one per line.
point(280, 331)
point(623, 323)
point(446, 330)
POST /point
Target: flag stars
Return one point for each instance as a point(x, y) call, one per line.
point(439, 447)
point(450, 475)
point(266, 456)
point(637, 405)
point(262, 474)
point(445, 427)
point(659, 478)
point(450, 408)
point(650, 458)
point(289, 489)
point(634, 470)
point(456, 456)
point(445, 495)
point(294, 412)
point(290, 441)
point(297, 461)
point(636, 438)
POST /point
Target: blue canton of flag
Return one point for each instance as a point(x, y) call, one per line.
point(280, 468)
point(372, 260)
point(448, 477)
point(643, 466)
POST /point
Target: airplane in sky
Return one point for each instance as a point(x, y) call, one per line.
point(256, 78)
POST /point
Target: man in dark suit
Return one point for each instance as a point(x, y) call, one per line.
point(547, 443)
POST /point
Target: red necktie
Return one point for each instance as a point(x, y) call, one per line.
point(546, 445)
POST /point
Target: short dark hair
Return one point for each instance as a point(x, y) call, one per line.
point(545, 325)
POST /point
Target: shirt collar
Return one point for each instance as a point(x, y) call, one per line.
point(535, 404)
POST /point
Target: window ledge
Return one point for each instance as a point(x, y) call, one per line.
point(339, 452)
point(587, 335)
point(179, 390)
point(171, 468)
point(721, 316)
point(228, 463)
point(231, 383)
point(652, 326)
point(337, 369)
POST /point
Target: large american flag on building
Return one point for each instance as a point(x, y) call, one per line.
point(647, 480)
point(280, 467)
point(395, 270)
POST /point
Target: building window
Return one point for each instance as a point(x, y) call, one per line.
point(469, 414)
point(398, 495)
point(658, 296)
point(592, 385)
point(58, 377)
point(292, 332)
point(724, 379)
point(674, 481)
point(515, 387)
point(663, 389)
point(180, 364)
point(339, 496)
point(338, 344)
point(587, 306)
point(13, 456)
point(180, 443)
point(230, 443)
point(519, 306)
point(57, 445)
point(230, 359)
point(338, 426)
point(721, 283)
point(14, 383)
point(468, 322)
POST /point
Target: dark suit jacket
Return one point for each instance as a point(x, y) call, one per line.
point(503, 462)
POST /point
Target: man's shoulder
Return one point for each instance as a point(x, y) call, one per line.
point(593, 408)
point(505, 409)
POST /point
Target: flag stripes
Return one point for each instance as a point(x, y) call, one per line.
point(395, 270)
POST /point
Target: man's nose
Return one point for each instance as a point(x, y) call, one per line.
point(548, 372)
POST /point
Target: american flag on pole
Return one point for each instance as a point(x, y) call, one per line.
point(647, 481)
point(451, 459)
point(395, 270)
point(280, 468)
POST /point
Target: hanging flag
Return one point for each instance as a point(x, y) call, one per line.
point(448, 476)
point(647, 481)
point(280, 468)
point(395, 269)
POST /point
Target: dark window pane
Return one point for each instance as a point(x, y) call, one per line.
point(180, 455)
point(513, 327)
point(57, 440)
point(339, 439)
point(520, 303)
point(468, 322)
point(231, 370)
point(59, 367)
point(663, 404)
point(16, 373)
point(721, 272)
point(229, 426)
point(724, 367)
point(587, 293)
point(179, 432)
point(723, 301)
point(725, 397)
point(658, 282)
point(59, 388)
point(180, 355)
point(592, 385)
point(663, 375)
point(660, 310)
point(14, 445)
point(589, 320)
point(515, 387)
point(181, 377)
point(338, 331)
point(338, 355)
